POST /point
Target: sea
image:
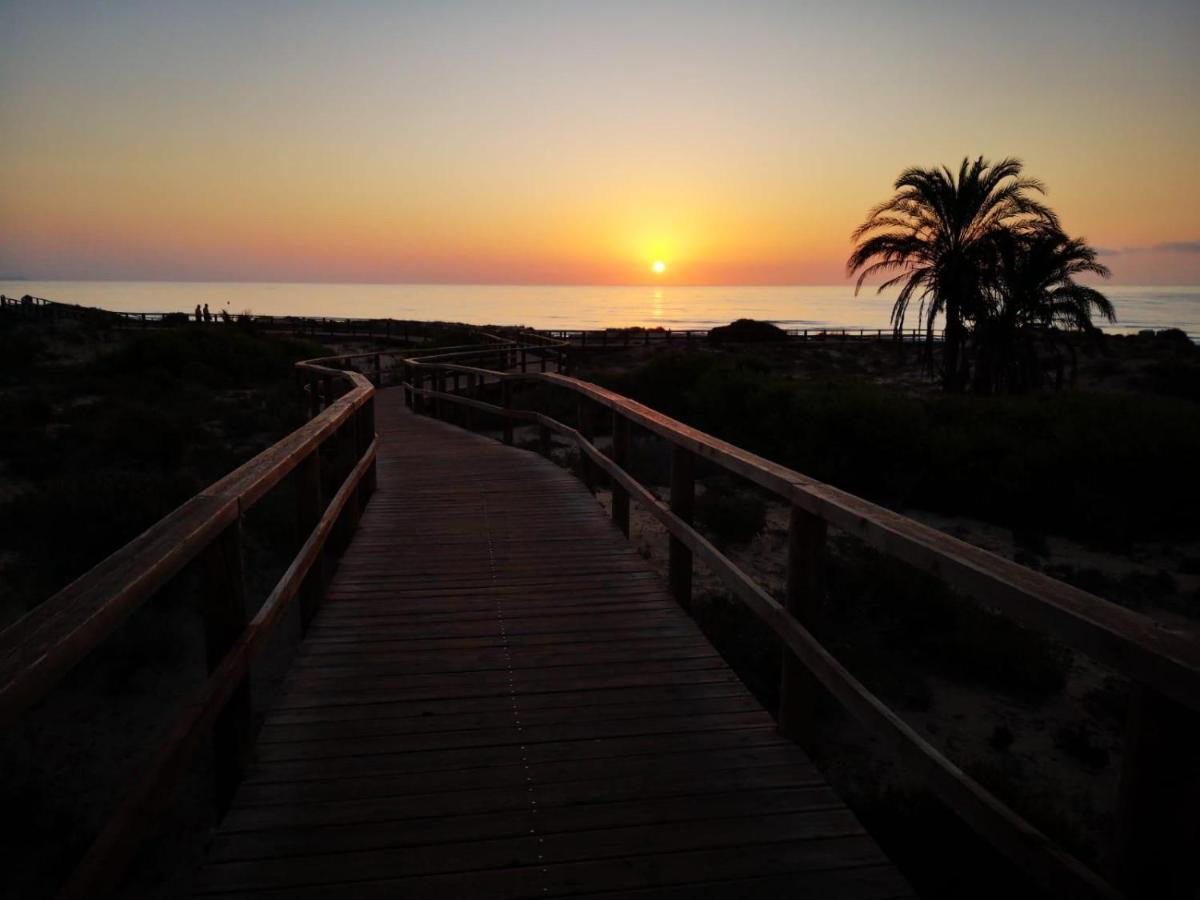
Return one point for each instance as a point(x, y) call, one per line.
point(568, 307)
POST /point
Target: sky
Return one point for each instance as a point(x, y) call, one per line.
point(572, 143)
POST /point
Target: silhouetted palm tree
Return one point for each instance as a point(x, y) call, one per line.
point(1033, 295)
point(938, 235)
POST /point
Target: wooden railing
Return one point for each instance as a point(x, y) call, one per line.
point(39, 649)
point(611, 338)
point(1157, 814)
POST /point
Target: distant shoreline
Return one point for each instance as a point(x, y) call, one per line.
point(571, 307)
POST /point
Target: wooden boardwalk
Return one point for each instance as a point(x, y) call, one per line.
point(500, 699)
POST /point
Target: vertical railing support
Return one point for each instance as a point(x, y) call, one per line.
point(583, 422)
point(225, 617)
point(365, 429)
point(1159, 797)
point(327, 390)
point(683, 495)
point(469, 412)
point(314, 396)
point(805, 589)
point(620, 455)
point(346, 456)
point(506, 402)
point(308, 513)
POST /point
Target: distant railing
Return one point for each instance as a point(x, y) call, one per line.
point(608, 338)
point(39, 649)
point(1157, 814)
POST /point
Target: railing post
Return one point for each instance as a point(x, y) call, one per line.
point(308, 513)
point(1159, 796)
point(683, 493)
point(805, 587)
point(620, 455)
point(439, 385)
point(506, 395)
point(583, 422)
point(225, 617)
point(314, 396)
point(366, 433)
point(348, 451)
point(469, 412)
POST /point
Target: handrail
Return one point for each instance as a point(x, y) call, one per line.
point(1164, 663)
point(37, 650)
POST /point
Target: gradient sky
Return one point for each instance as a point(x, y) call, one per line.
point(564, 142)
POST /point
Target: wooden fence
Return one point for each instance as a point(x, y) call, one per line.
point(613, 338)
point(37, 650)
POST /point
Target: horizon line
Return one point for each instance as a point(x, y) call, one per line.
point(580, 284)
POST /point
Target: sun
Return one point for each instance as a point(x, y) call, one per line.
point(659, 267)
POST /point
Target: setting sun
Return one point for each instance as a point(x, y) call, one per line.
point(659, 267)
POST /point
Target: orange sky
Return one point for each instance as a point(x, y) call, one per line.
point(570, 143)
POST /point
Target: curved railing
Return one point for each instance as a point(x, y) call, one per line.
point(1163, 664)
point(39, 649)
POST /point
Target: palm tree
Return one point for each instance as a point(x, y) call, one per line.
point(938, 236)
point(1034, 296)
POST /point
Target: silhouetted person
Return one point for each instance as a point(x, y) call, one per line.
point(207, 314)
point(199, 315)
point(224, 315)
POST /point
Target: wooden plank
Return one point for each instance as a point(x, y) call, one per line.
point(619, 874)
point(513, 682)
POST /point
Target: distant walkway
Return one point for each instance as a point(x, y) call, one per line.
point(500, 699)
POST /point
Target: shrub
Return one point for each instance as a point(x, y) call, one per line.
point(894, 621)
point(1047, 463)
point(730, 514)
point(1077, 741)
point(747, 331)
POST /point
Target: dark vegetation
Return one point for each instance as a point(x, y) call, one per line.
point(1107, 467)
point(746, 331)
point(102, 434)
point(730, 513)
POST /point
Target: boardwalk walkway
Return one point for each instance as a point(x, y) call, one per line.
point(500, 699)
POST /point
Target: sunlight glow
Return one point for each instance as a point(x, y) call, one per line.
point(659, 267)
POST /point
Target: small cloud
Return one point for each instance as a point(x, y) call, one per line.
point(1164, 247)
point(1178, 247)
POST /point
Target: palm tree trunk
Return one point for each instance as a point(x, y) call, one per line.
point(952, 349)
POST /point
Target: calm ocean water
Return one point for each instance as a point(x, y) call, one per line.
point(541, 306)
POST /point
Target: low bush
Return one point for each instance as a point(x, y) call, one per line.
point(104, 449)
point(730, 514)
point(1104, 467)
point(747, 331)
point(888, 619)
